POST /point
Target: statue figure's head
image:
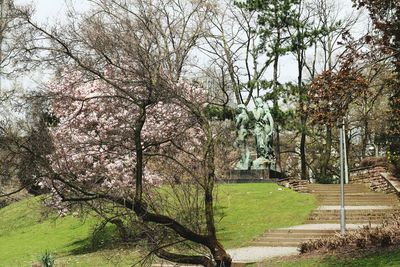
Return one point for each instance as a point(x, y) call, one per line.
point(266, 107)
point(241, 107)
point(259, 102)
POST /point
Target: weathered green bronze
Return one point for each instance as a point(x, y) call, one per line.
point(242, 123)
point(262, 132)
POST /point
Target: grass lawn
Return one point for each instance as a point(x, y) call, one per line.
point(25, 234)
point(249, 209)
point(245, 211)
point(372, 259)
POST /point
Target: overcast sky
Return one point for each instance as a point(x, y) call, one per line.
point(49, 11)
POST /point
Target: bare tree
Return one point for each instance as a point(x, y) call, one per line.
point(137, 51)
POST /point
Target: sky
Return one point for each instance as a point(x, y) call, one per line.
point(51, 11)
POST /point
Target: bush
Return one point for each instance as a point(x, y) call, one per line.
point(47, 259)
point(373, 162)
point(382, 236)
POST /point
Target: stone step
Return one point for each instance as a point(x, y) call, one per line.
point(349, 215)
point(348, 188)
point(355, 193)
point(349, 202)
point(353, 218)
point(354, 203)
point(363, 207)
point(352, 221)
point(359, 195)
point(283, 239)
point(338, 185)
point(295, 235)
point(356, 212)
point(301, 231)
point(350, 218)
point(372, 202)
point(275, 244)
point(337, 188)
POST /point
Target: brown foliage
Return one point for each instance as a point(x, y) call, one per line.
point(382, 236)
point(331, 93)
point(373, 162)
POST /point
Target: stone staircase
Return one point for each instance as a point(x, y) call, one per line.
point(362, 206)
point(290, 237)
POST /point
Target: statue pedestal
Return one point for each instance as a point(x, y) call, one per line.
point(253, 176)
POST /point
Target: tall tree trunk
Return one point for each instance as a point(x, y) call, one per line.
point(303, 117)
point(326, 152)
point(303, 160)
point(221, 257)
point(302, 96)
point(394, 100)
point(365, 136)
point(277, 149)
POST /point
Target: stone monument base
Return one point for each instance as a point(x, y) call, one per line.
point(253, 176)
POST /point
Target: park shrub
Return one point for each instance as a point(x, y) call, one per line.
point(374, 162)
point(47, 259)
point(386, 235)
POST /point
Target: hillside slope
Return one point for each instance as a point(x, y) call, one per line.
point(245, 210)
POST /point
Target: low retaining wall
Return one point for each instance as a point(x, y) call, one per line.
point(374, 177)
point(296, 184)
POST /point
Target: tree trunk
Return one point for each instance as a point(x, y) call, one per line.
point(217, 250)
point(276, 107)
point(140, 207)
point(326, 156)
point(365, 138)
point(303, 160)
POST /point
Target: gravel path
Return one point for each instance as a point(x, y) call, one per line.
point(257, 254)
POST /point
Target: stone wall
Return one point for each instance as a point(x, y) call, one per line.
point(373, 177)
point(296, 184)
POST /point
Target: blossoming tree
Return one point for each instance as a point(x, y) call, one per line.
point(128, 121)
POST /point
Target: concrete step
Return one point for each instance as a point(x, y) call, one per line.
point(283, 239)
point(295, 235)
point(302, 231)
point(355, 203)
point(376, 212)
point(359, 196)
point(390, 202)
point(362, 207)
point(338, 185)
point(275, 244)
point(350, 218)
point(349, 215)
point(319, 192)
point(332, 188)
point(337, 190)
point(367, 201)
point(352, 221)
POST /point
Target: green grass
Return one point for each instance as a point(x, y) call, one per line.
point(251, 209)
point(25, 234)
point(247, 211)
point(375, 259)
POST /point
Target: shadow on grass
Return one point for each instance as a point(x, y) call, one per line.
point(100, 239)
